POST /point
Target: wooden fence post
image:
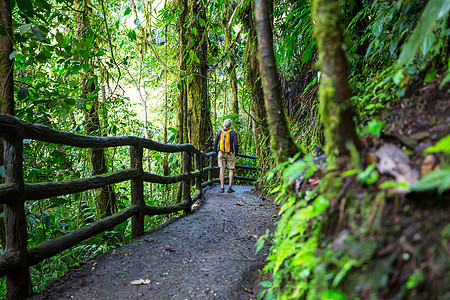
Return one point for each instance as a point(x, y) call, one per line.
point(137, 191)
point(199, 166)
point(187, 183)
point(210, 173)
point(18, 283)
point(213, 163)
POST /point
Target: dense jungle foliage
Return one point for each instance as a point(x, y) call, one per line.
point(353, 226)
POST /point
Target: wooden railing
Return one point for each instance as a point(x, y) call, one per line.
point(16, 259)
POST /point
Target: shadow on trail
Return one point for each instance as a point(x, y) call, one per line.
point(209, 254)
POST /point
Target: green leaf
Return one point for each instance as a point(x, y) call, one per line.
point(266, 284)
point(201, 22)
point(446, 79)
point(24, 28)
point(132, 35)
point(86, 67)
point(374, 127)
point(193, 56)
point(349, 173)
point(443, 145)
point(398, 77)
point(430, 75)
point(121, 272)
point(59, 38)
point(339, 276)
point(26, 7)
point(333, 295)
point(436, 179)
point(76, 69)
point(127, 11)
point(12, 55)
point(434, 10)
point(426, 45)
point(100, 53)
point(194, 30)
point(39, 34)
point(369, 175)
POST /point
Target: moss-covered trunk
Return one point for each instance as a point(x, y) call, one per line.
point(198, 119)
point(334, 92)
point(14, 234)
point(282, 143)
point(182, 97)
point(105, 199)
point(6, 86)
point(253, 80)
point(231, 50)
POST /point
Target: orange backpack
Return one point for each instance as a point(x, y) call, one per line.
point(225, 141)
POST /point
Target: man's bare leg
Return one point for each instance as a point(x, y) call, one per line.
point(231, 174)
point(222, 177)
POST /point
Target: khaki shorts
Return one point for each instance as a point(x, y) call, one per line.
point(228, 159)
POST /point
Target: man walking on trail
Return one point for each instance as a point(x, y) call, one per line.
point(226, 140)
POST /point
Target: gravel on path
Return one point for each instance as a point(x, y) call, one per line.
point(209, 254)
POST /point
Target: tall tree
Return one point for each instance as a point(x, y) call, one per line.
point(282, 143)
point(194, 120)
point(334, 92)
point(18, 281)
point(253, 80)
point(106, 198)
point(230, 52)
point(182, 58)
point(198, 105)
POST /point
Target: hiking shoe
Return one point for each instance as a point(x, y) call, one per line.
point(230, 190)
point(221, 190)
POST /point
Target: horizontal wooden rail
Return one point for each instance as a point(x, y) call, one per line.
point(6, 192)
point(247, 156)
point(164, 210)
point(35, 191)
point(9, 261)
point(170, 179)
point(57, 245)
point(10, 125)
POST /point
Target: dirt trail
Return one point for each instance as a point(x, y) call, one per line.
point(205, 255)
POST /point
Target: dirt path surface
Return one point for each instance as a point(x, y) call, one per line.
point(208, 254)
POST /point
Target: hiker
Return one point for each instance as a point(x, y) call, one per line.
point(226, 140)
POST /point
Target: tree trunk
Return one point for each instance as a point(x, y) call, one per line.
point(6, 85)
point(230, 48)
point(198, 106)
point(18, 283)
point(6, 64)
point(166, 100)
point(105, 198)
point(282, 144)
point(182, 96)
point(334, 92)
point(253, 78)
